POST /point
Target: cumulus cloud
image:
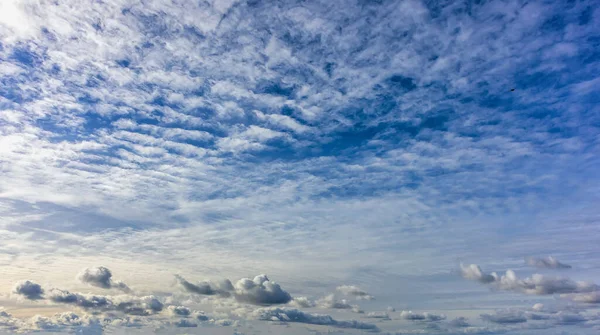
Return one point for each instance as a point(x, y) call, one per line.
point(257, 291)
point(206, 288)
point(127, 304)
point(330, 301)
point(590, 298)
point(409, 315)
point(351, 290)
point(185, 323)
point(65, 322)
point(101, 277)
point(546, 263)
point(378, 315)
point(474, 272)
point(302, 302)
point(260, 291)
point(84, 301)
point(566, 318)
point(537, 284)
point(459, 322)
point(295, 315)
point(28, 289)
point(505, 317)
point(179, 310)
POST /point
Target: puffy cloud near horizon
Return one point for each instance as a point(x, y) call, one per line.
point(302, 302)
point(351, 290)
point(425, 316)
point(505, 317)
point(133, 305)
point(29, 290)
point(257, 291)
point(260, 291)
point(101, 277)
point(546, 263)
point(204, 288)
point(537, 284)
point(330, 301)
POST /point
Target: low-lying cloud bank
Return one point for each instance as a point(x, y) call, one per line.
point(295, 315)
point(537, 284)
point(257, 291)
point(127, 304)
point(330, 301)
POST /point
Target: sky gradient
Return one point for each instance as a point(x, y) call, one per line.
point(299, 167)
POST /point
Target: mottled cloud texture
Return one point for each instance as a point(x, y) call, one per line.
point(357, 151)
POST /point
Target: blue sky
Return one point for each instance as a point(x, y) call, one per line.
point(347, 149)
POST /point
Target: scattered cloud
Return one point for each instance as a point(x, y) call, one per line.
point(330, 301)
point(295, 315)
point(302, 302)
point(260, 291)
point(205, 288)
point(354, 291)
point(378, 315)
point(425, 316)
point(460, 322)
point(247, 134)
point(29, 290)
point(536, 284)
point(546, 263)
point(101, 277)
point(179, 310)
point(474, 272)
point(505, 317)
